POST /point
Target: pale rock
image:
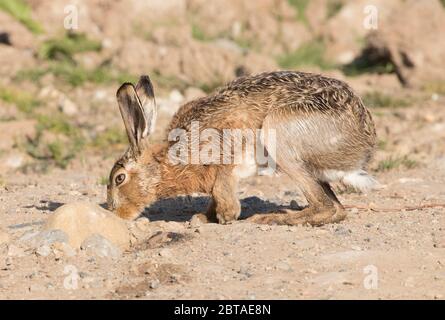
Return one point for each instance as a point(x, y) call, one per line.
point(64, 248)
point(100, 246)
point(79, 220)
point(176, 96)
point(166, 253)
point(143, 224)
point(14, 251)
point(43, 251)
point(192, 93)
point(68, 107)
point(14, 160)
point(4, 237)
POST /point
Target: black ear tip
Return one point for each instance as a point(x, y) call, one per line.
point(145, 82)
point(126, 86)
point(144, 77)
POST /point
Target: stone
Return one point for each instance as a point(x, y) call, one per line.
point(4, 237)
point(166, 253)
point(68, 107)
point(14, 160)
point(79, 220)
point(154, 284)
point(44, 251)
point(14, 251)
point(48, 237)
point(100, 246)
point(192, 93)
point(143, 224)
point(64, 248)
point(196, 221)
point(281, 265)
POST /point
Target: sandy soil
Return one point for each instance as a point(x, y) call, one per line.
point(394, 253)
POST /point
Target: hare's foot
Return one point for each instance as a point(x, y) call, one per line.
point(224, 205)
point(210, 215)
point(290, 217)
point(309, 216)
point(323, 208)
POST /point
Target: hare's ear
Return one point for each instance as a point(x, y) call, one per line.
point(145, 93)
point(138, 110)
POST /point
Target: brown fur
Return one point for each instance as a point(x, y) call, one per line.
point(306, 110)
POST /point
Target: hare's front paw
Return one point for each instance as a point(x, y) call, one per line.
point(227, 211)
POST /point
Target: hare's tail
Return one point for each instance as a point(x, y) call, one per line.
point(361, 180)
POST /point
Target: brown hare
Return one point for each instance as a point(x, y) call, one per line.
point(323, 133)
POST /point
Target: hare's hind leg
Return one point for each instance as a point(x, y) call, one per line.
point(323, 207)
point(293, 138)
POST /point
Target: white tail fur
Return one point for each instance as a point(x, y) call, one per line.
point(358, 179)
point(361, 180)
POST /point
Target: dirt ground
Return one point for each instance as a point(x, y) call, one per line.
point(60, 133)
point(388, 251)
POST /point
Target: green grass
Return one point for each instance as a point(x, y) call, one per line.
point(396, 162)
point(23, 101)
point(382, 144)
point(435, 87)
point(364, 65)
point(210, 86)
point(375, 99)
point(67, 46)
point(301, 6)
point(60, 55)
point(103, 181)
point(21, 11)
point(333, 7)
point(57, 124)
point(65, 145)
point(199, 34)
point(76, 75)
point(308, 54)
point(443, 3)
point(111, 136)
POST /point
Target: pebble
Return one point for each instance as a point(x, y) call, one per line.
point(14, 160)
point(192, 93)
point(44, 251)
point(281, 265)
point(4, 237)
point(354, 210)
point(342, 231)
point(265, 227)
point(143, 224)
point(154, 284)
point(68, 107)
point(48, 237)
point(14, 251)
point(294, 205)
point(409, 282)
point(166, 253)
point(195, 221)
point(100, 246)
point(65, 248)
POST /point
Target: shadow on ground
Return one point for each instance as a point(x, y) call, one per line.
point(183, 208)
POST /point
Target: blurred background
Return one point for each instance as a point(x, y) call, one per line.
point(61, 63)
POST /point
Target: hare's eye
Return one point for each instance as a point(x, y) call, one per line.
point(119, 179)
